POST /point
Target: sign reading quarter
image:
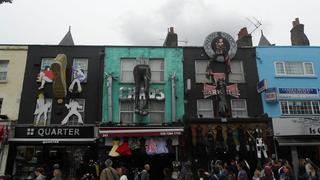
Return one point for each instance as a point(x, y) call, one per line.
point(220, 46)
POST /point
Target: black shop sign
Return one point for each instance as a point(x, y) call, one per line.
point(54, 132)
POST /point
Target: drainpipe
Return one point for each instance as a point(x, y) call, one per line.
point(109, 84)
point(173, 97)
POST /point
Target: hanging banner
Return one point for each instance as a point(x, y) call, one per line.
point(210, 90)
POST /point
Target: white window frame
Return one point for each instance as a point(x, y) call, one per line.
point(41, 121)
point(196, 73)
point(85, 69)
point(161, 112)
point(73, 120)
point(237, 73)
point(312, 108)
point(46, 62)
point(209, 109)
point(127, 111)
point(235, 110)
point(4, 70)
point(123, 60)
point(294, 75)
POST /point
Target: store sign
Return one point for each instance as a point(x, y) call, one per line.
point(262, 85)
point(270, 94)
point(286, 93)
point(126, 93)
point(54, 132)
point(296, 126)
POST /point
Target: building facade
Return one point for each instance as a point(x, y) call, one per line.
point(143, 106)
point(224, 114)
point(59, 110)
point(12, 66)
point(292, 99)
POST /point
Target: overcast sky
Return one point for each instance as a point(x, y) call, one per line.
point(145, 22)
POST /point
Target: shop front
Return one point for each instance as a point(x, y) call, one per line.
point(69, 147)
point(298, 135)
point(133, 147)
point(4, 146)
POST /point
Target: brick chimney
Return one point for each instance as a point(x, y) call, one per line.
point(171, 39)
point(298, 38)
point(244, 38)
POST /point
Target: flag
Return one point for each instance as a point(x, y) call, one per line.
point(209, 90)
point(233, 90)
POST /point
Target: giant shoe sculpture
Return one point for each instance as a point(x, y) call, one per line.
point(59, 86)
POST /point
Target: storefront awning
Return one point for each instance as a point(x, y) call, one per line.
point(139, 131)
point(298, 141)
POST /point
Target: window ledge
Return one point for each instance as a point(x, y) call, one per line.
point(296, 76)
point(3, 81)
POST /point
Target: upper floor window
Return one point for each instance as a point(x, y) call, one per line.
point(236, 75)
point(156, 67)
point(46, 63)
point(294, 68)
point(239, 108)
point(3, 70)
point(201, 71)
point(204, 108)
point(156, 112)
point(42, 114)
point(82, 64)
point(300, 107)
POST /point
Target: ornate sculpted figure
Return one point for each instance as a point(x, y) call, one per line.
point(79, 77)
point(222, 93)
point(41, 109)
point(73, 106)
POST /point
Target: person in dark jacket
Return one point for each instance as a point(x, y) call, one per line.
point(145, 172)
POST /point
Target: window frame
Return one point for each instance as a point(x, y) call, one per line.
point(5, 71)
point(49, 114)
point(243, 80)
point(303, 63)
point(239, 109)
point(126, 111)
point(72, 120)
point(205, 110)
point(312, 107)
point(157, 111)
point(200, 73)
point(162, 71)
point(84, 70)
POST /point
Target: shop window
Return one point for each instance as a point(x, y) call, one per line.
point(156, 112)
point(204, 108)
point(200, 71)
point(26, 160)
point(236, 75)
point(3, 70)
point(81, 63)
point(1, 100)
point(73, 120)
point(300, 107)
point(126, 112)
point(239, 108)
point(294, 68)
point(40, 118)
point(156, 67)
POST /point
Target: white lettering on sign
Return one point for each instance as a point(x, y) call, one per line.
point(50, 142)
point(58, 132)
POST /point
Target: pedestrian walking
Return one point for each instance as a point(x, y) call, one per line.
point(109, 173)
point(57, 175)
point(145, 172)
point(123, 173)
point(39, 172)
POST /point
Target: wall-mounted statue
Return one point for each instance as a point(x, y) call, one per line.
point(78, 78)
point(59, 86)
point(222, 94)
point(44, 76)
point(142, 77)
point(41, 109)
point(73, 106)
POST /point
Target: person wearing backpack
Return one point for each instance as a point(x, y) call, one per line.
point(109, 173)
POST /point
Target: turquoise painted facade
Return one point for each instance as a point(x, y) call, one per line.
point(172, 64)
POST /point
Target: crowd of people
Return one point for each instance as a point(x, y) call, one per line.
point(218, 170)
